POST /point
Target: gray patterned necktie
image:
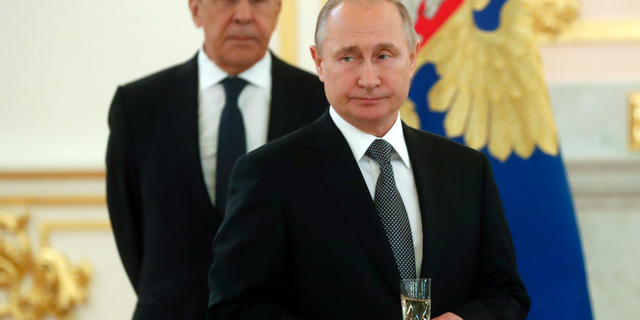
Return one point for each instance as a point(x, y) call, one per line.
point(392, 211)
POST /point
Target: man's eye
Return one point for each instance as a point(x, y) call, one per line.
point(347, 59)
point(383, 57)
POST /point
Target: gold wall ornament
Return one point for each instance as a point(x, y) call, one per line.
point(634, 123)
point(38, 285)
point(552, 17)
point(491, 83)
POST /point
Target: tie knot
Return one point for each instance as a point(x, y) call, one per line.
point(233, 87)
point(380, 151)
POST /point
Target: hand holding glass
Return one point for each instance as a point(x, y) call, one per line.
point(415, 295)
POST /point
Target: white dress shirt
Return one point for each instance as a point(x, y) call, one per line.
point(359, 142)
point(254, 103)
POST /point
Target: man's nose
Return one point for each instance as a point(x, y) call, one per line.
point(242, 13)
point(369, 78)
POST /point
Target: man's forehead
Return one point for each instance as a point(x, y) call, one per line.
point(352, 39)
point(358, 21)
point(359, 5)
point(375, 47)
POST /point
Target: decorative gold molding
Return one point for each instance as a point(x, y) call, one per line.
point(288, 33)
point(596, 32)
point(55, 286)
point(552, 17)
point(29, 201)
point(46, 228)
point(52, 175)
point(634, 121)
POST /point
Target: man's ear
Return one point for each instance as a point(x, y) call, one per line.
point(194, 6)
point(279, 3)
point(317, 60)
point(413, 56)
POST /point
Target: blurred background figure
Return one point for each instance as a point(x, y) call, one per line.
point(175, 136)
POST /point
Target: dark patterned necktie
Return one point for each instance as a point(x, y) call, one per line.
point(392, 211)
point(231, 139)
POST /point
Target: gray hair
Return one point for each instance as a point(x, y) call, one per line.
point(321, 24)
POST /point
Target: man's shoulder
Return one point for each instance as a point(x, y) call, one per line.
point(153, 93)
point(288, 144)
point(445, 148)
point(289, 149)
point(161, 79)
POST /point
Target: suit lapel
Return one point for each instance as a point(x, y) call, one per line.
point(283, 119)
point(185, 102)
point(429, 170)
point(337, 168)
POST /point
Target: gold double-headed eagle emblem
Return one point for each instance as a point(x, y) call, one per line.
point(491, 84)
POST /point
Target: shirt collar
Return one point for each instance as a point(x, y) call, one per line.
point(209, 74)
point(360, 141)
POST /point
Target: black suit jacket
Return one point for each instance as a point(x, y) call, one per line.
point(162, 217)
point(302, 238)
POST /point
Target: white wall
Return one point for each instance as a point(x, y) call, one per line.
point(306, 19)
point(61, 62)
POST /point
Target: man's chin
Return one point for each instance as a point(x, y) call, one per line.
point(373, 117)
point(242, 59)
point(368, 102)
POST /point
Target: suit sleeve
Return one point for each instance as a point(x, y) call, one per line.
point(123, 190)
point(249, 268)
point(499, 292)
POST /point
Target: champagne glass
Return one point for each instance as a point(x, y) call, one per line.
point(415, 295)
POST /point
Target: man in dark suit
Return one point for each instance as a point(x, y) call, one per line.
point(325, 222)
point(171, 144)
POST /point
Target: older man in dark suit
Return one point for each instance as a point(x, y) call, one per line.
point(175, 136)
point(325, 222)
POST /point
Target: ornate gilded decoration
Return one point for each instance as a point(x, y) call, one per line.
point(37, 286)
point(634, 127)
point(551, 17)
point(491, 84)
